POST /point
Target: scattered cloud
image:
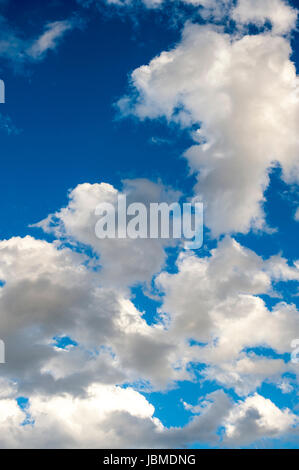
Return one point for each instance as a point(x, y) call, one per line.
point(237, 94)
point(257, 417)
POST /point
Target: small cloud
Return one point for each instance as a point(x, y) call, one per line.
point(159, 141)
point(48, 40)
point(19, 50)
point(285, 386)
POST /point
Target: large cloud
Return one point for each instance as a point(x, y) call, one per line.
point(49, 291)
point(124, 261)
point(112, 417)
point(242, 94)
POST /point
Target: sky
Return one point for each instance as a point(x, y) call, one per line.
point(140, 343)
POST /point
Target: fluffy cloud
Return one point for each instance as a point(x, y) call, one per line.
point(49, 291)
point(257, 417)
point(124, 261)
point(281, 15)
point(67, 422)
point(107, 416)
point(215, 302)
point(241, 93)
point(212, 300)
point(244, 422)
point(113, 417)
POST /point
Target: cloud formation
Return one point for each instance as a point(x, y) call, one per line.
point(237, 94)
point(242, 96)
point(18, 50)
point(281, 15)
point(124, 262)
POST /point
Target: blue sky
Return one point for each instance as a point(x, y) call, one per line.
point(63, 126)
point(72, 114)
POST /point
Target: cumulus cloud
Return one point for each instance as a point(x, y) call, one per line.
point(238, 95)
point(67, 422)
point(242, 95)
point(113, 417)
point(257, 417)
point(280, 14)
point(108, 416)
point(49, 290)
point(245, 422)
point(215, 302)
point(210, 299)
point(124, 261)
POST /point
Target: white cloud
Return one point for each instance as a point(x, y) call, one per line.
point(49, 38)
point(242, 93)
point(107, 417)
point(255, 418)
point(124, 261)
point(50, 291)
point(281, 15)
point(285, 386)
point(112, 417)
point(68, 422)
point(18, 49)
point(214, 301)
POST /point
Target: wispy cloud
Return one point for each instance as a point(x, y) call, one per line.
point(17, 49)
point(49, 39)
